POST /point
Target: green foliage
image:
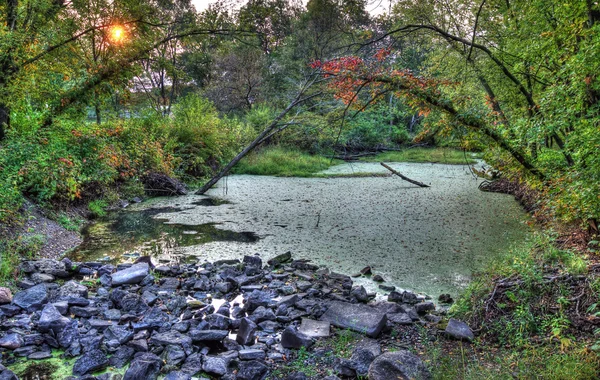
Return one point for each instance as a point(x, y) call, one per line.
point(69, 223)
point(200, 139)
point(281, 161)
point(97, 208)
point(373, 128)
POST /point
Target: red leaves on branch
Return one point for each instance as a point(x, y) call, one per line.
point(349, 75)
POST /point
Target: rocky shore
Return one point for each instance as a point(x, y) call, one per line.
point(230, 320)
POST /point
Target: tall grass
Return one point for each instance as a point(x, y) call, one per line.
point(435, 155)
point(283, 162)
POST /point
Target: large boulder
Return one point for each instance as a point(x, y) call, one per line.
point(132, 275)
point(398, 365)
point(361, 318)
point(32, 299)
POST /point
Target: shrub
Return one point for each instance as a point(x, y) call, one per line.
point(200, 139)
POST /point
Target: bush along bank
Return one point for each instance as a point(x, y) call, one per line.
point(228, 319)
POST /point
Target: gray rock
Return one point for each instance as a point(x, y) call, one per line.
point(99, 324)
point(144, 367)
point(400, 318)
point(208, 335)
point(247, 332)
point(216, 365)
point(8, 375)
point(69, 334)
point(120, 334)
point(424, 307)
point(252, 354)
point(192, 365)
point(178, 376)
point(256, 299)
point(84, 312)
point(288, 300)
point(315, 329)
point(62, 307)
point(387, 288)
point(363, 355)
point(410, 298)
point(398, 365)
point(171, 337)
point(360, 293)
point(11, 341)
point(5, 296)
point(292, 338)
point(52, 319)
point(47, 266)
point(357, 317)
point(459, 330)
point(32, 299)
point(218, 321)
point(91, 361)
point(132, 275)
point(72, 289)
point(280, 259)
point(174, 355)
point(121, 357)
point(378, 278)
point(253, 260)
point(445, 298)
point(39, 278)
point(252, 370)
point(40, 355)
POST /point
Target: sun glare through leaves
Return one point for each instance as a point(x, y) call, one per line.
point(117, 34)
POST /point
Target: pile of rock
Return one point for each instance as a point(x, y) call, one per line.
point(228, 319)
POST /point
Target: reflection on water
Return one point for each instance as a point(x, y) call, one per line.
point(130, 234)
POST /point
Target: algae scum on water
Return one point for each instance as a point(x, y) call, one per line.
point(429, 240)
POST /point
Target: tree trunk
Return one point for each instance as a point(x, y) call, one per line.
point(98, 116)
point(4, 120)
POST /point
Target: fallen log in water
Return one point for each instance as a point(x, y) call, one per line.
point(420, 184)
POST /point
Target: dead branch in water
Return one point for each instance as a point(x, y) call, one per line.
point(420, 184)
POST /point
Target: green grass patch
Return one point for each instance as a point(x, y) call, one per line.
point(283, 162)
point(433, 155)
point(12, 251)
point(464, 362)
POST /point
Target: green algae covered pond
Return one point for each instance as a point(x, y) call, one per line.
point(429, 240)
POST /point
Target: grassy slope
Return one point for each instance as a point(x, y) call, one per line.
point(533, 329)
